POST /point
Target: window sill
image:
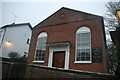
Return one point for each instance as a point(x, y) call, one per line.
point(82, 62)
point(38, 61)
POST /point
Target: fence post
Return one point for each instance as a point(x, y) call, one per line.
point(10, 70)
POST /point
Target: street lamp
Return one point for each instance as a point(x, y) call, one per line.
point(7, 43)
point(118, 15)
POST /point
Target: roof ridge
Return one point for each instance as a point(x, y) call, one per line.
point(13, 24)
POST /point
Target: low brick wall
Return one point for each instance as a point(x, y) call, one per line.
point(35, 71)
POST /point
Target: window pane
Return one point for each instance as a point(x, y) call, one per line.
point(40, 48)
point(83, 45)
point(87, 58)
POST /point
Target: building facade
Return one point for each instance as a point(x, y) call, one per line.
point(69, 39)
point(15, 38)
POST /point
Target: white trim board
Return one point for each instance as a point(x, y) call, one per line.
point(67, 53)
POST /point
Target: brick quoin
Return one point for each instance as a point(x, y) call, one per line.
point(64, 29)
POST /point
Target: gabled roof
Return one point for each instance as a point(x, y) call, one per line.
point(69, 15)
point(80, 12)
point(16, 25)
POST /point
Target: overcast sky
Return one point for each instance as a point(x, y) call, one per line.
point(35, 12)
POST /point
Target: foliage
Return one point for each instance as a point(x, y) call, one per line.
point(15, 57)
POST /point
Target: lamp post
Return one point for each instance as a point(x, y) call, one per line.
point(115, 35)
point(118, 15)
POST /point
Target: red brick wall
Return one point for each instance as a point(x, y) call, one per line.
point(64, 29)
point(69, 16)
point(33, 71)
point(67, 32)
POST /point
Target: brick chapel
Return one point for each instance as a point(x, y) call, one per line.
point(69, 39)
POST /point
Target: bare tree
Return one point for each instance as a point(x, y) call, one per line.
point(111, 23)
point(112, 58)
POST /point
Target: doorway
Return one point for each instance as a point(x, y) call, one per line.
point(58, 59)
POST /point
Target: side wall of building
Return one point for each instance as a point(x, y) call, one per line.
point(15, 40)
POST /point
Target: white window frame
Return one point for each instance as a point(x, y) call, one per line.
point(43, 34)
point(78, 32)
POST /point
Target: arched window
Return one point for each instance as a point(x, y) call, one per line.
point(83, 45)
point(41, 47)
